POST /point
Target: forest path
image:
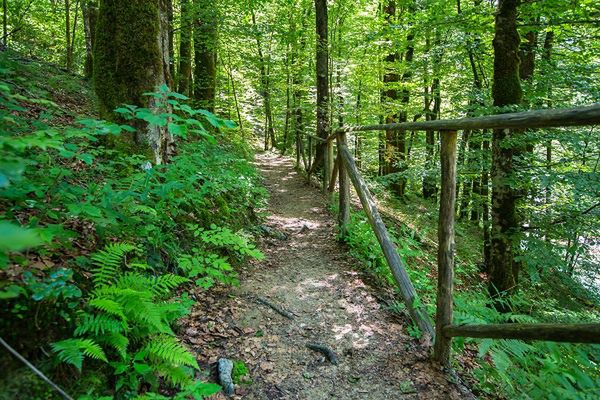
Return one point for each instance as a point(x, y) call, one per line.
point(307, 273)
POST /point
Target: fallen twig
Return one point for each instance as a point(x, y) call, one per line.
point(326, 351)
point(276, 308)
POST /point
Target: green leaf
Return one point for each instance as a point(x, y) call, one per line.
point(16, 238)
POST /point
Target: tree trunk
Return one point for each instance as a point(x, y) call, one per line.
point(4, 23)
point(184, 72)
point(390, 94)
point(506, 91)
point(69, 50)
point(322, 71)
point(90, 16)
point(269, 134)
point(205, 53)
point(130, 59)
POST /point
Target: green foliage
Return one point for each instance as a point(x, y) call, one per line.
point(210, 263)
point(64, 194)
point(128, 314)
point(240, 372)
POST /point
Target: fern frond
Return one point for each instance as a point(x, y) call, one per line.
point(72, 351)
point(138, 306)
point(135, 281)
point(167, 349)
point(109, 261)
point(98, 324)
point(176, 375)
point(173, 310)
point(117, 341)
point(108, 306)
point(163, 284)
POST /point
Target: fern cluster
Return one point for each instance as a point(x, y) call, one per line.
point(127, 323)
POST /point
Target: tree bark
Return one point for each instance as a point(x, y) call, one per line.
point(90, 16)
point(322, 71)
point(130, 59)
point(205, 53)
point(184, 72)
point(269, 137)
point(506, 91)
point(390, 94)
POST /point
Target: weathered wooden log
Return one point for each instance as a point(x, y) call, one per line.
point(580, 116)
point(445, 256)
point(416, 311)
point(344, 198)
point(572, 333)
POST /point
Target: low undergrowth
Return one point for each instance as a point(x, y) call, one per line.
point(97, 245)
point(495, 368)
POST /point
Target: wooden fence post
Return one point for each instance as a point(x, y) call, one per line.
point(417, 311)
point(442, 345)
point(344, 198)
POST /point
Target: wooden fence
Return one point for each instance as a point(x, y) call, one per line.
point(344, 167)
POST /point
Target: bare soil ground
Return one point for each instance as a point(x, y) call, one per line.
point(308, 273)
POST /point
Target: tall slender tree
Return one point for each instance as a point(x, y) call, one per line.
point(322, 71)
point(205, 52)
point(506, 91)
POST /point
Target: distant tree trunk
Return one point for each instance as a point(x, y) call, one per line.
point(288, 102)
point(506, 91)
point(322, 71)
point(269, 134)
point(130, 59)
point(431, 114)
point(229, 69)
point(485, 206)
point(357, 135)
point(168, 5)
point(399, 185)
point(390, 93)
point(546, 56)
point(69, 50)
point(90, 15)
point(4, 23)
point(184, 72)
point(205, 53)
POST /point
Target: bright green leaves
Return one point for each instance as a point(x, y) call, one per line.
point(210, 262)
point(72, 351)
point(130, 312)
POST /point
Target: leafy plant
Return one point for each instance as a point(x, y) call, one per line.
point(127, 323)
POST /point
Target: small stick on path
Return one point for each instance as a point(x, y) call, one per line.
point(275, 307)
point(326, 351)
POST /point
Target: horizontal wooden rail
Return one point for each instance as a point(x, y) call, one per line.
point(417, 312)
point(572, 333)
point(579, 116)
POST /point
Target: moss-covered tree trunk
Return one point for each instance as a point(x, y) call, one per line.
point(506, 91)
point(90, 15)
point(205, 53)
point(131, 57)
point(184, 72)
point(390, 91)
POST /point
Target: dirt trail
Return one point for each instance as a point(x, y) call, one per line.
point(309, 274)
